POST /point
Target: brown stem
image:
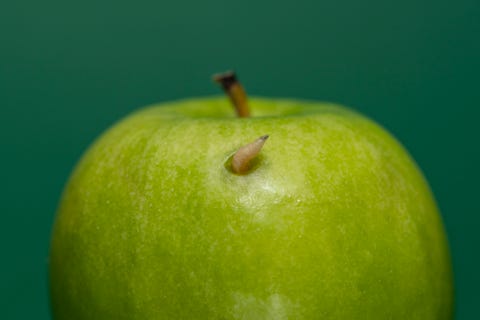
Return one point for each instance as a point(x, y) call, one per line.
point(241, 159)
point(232, 87)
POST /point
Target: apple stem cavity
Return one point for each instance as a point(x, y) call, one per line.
point(232, 87)
point(242, 158)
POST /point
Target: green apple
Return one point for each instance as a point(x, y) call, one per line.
point(332, 220)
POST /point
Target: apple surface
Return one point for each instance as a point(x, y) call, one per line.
point(333, 220)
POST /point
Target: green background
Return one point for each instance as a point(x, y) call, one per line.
point(68, 70)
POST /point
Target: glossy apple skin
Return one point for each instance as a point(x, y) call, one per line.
point(334, 221)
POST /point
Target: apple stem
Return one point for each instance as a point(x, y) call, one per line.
point(241, 159)
point(232, 87)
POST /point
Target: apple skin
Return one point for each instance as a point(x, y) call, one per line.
point(334, 221)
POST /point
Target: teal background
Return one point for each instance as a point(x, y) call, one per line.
point(68, 70)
